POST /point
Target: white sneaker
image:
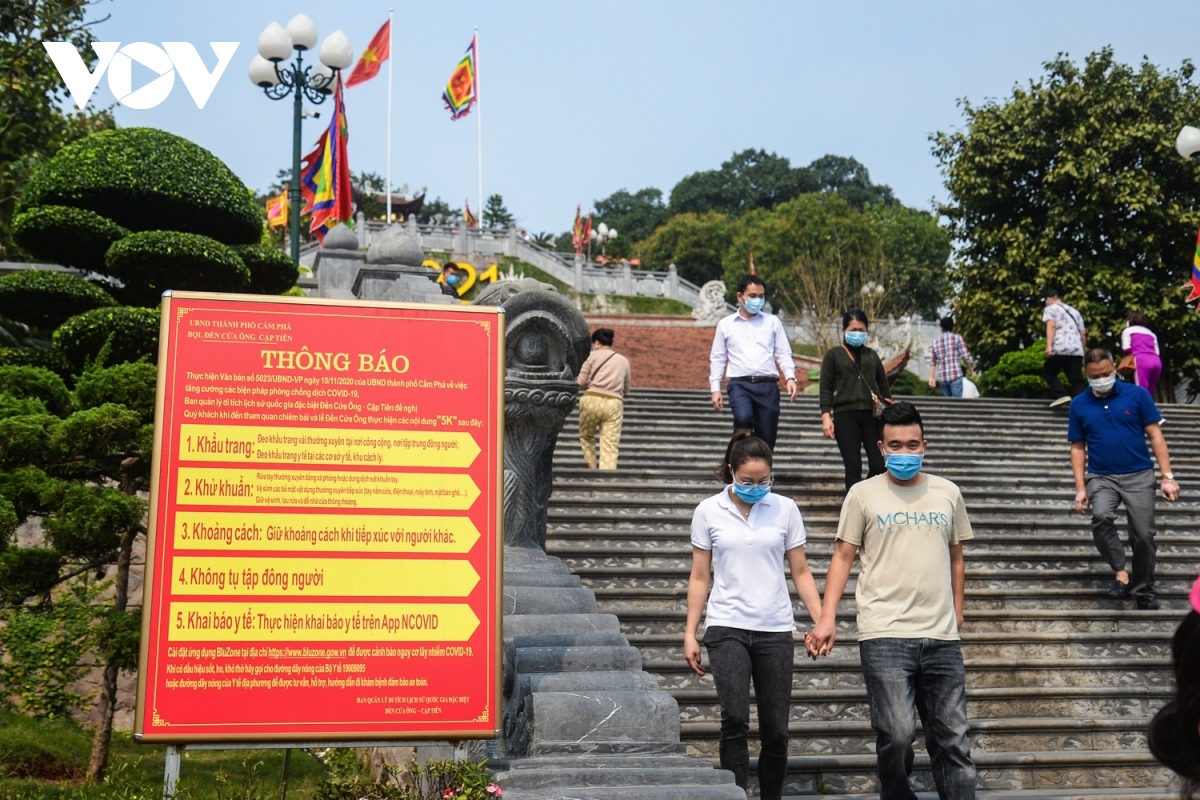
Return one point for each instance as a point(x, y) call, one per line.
point(1062, 401)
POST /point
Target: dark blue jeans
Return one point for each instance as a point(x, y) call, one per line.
point(925, 675)
point(755, 407)
point(735, 656)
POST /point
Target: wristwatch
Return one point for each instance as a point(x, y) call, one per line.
point(1168, 476)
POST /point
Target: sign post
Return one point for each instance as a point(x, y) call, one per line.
point(324, 553)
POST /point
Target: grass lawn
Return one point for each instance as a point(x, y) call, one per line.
point(42, 759)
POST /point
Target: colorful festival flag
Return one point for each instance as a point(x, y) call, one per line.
point(577, 237)
point(377, 52)
point(325, 174)
point(462, 88)
point(277, 210)
point(1194, 283)
point(469, 219)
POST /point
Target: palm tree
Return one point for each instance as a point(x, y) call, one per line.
point(544, 239)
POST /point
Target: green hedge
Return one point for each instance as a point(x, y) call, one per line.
point(146, 179)
point(272, 271)
point(45, 299)
point(72, 237)
point(131, 385)
point(39, 383)
point(909, 383)
point(32, 357)
point(1017, 373)
point(149, 263)
point(133, 333)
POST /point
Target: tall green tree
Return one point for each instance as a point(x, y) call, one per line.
point(850, 179)
point(750, 179)
point(694, 243)
point(635, 215)
point(917, 248)
point(1072, 181)
point(33, 122)
point(495, 214)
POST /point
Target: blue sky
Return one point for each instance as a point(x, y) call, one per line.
point(580, 99)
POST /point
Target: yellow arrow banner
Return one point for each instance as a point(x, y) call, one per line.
point(277, 488)
point(326, 446)
point(321, 622)
point(323, 533)
point(327, 577)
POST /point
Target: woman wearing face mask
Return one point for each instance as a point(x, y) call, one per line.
point(852, 381)
point(1175, 731)
point(744, 534)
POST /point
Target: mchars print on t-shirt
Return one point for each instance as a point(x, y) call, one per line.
point(921, 520)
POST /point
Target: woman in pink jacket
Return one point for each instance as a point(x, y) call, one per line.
point(1139, 340)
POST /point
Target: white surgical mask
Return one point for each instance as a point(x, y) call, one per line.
point(1103, 385)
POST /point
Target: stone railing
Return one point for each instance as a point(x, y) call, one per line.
point(466, 243)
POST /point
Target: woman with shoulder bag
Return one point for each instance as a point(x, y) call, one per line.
point(854, 392)
point(742, 537)
point(1142, 361)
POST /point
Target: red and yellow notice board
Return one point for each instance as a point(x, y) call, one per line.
point(324, 550)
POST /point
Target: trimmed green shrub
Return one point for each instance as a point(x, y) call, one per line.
point(909, 383)
point(32, 357)
point(131, 385)
point(131, 333)
point(146, 179)
point(1017, 374)
point(45, 298)
point(272, 271)
point(72, 237)
point(39, 383)
point(150, 263)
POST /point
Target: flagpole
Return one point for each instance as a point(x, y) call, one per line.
point(389, 125)
point(478, 123)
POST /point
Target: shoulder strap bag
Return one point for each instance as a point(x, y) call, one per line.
point(877, 405)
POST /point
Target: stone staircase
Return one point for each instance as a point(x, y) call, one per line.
point(1062, 680)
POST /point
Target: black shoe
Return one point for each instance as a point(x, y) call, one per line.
point(1119, 589)
point(1148, 604)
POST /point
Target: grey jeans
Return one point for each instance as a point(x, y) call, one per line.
point(1137, 491)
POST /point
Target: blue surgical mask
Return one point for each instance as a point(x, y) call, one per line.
point(904, 465)
point(751, 494)
point(856, 338)
point(754, 304)
point(452, 280)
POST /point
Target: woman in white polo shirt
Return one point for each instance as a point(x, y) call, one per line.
point(743, 535)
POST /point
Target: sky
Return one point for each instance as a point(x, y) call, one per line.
point(580, 100)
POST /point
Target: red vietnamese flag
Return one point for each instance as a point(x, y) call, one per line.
point(377, 52)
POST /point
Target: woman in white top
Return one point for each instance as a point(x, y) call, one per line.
point(1142, 343)
point(744, 534)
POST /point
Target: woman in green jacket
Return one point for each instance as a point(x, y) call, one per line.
point(852, 377)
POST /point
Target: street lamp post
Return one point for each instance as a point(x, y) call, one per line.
point(314, 82)
point(601, 235)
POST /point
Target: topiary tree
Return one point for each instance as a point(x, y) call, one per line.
point(40, 384)
point(31, 357)
point(149, 263)
point(46, 299)
point(129, 333)
point(131, 385)
point(72, 237)
point(272, 271)
point(146, 179)
point(1018, 373)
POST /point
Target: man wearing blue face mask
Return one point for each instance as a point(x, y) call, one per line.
point(749, 345)
point(1108, 428)
point(907, 527)
point(451, 278)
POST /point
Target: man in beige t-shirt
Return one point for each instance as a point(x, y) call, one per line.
point(907, 528)
point(605, 379)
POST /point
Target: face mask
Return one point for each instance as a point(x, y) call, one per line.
point(754, 304)
point(856, 338)
point(904, 465)
point(452, 280)
point(1103, 385)
point(751, 494)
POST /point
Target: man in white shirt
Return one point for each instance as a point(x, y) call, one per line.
point(749, 345)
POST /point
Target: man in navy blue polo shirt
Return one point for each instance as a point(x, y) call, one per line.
point(1109, 425)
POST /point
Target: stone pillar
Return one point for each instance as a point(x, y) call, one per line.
point(510, 244)
point(546, 342)
point(672, 282)
point(627, 279)
point(360, 228)
point(411, 222)
point(578, 273)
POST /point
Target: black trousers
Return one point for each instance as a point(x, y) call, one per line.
point(855, 431)
point(755, 408)
point(1072, 366)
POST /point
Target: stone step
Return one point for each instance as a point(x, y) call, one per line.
point(857, 737)
point(700, 705)
point(1036, 794)
point(1028, 645)
point(683, 792)
point(614, 775)
point(1032, 772)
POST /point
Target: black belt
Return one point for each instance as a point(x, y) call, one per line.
point(756, 379)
